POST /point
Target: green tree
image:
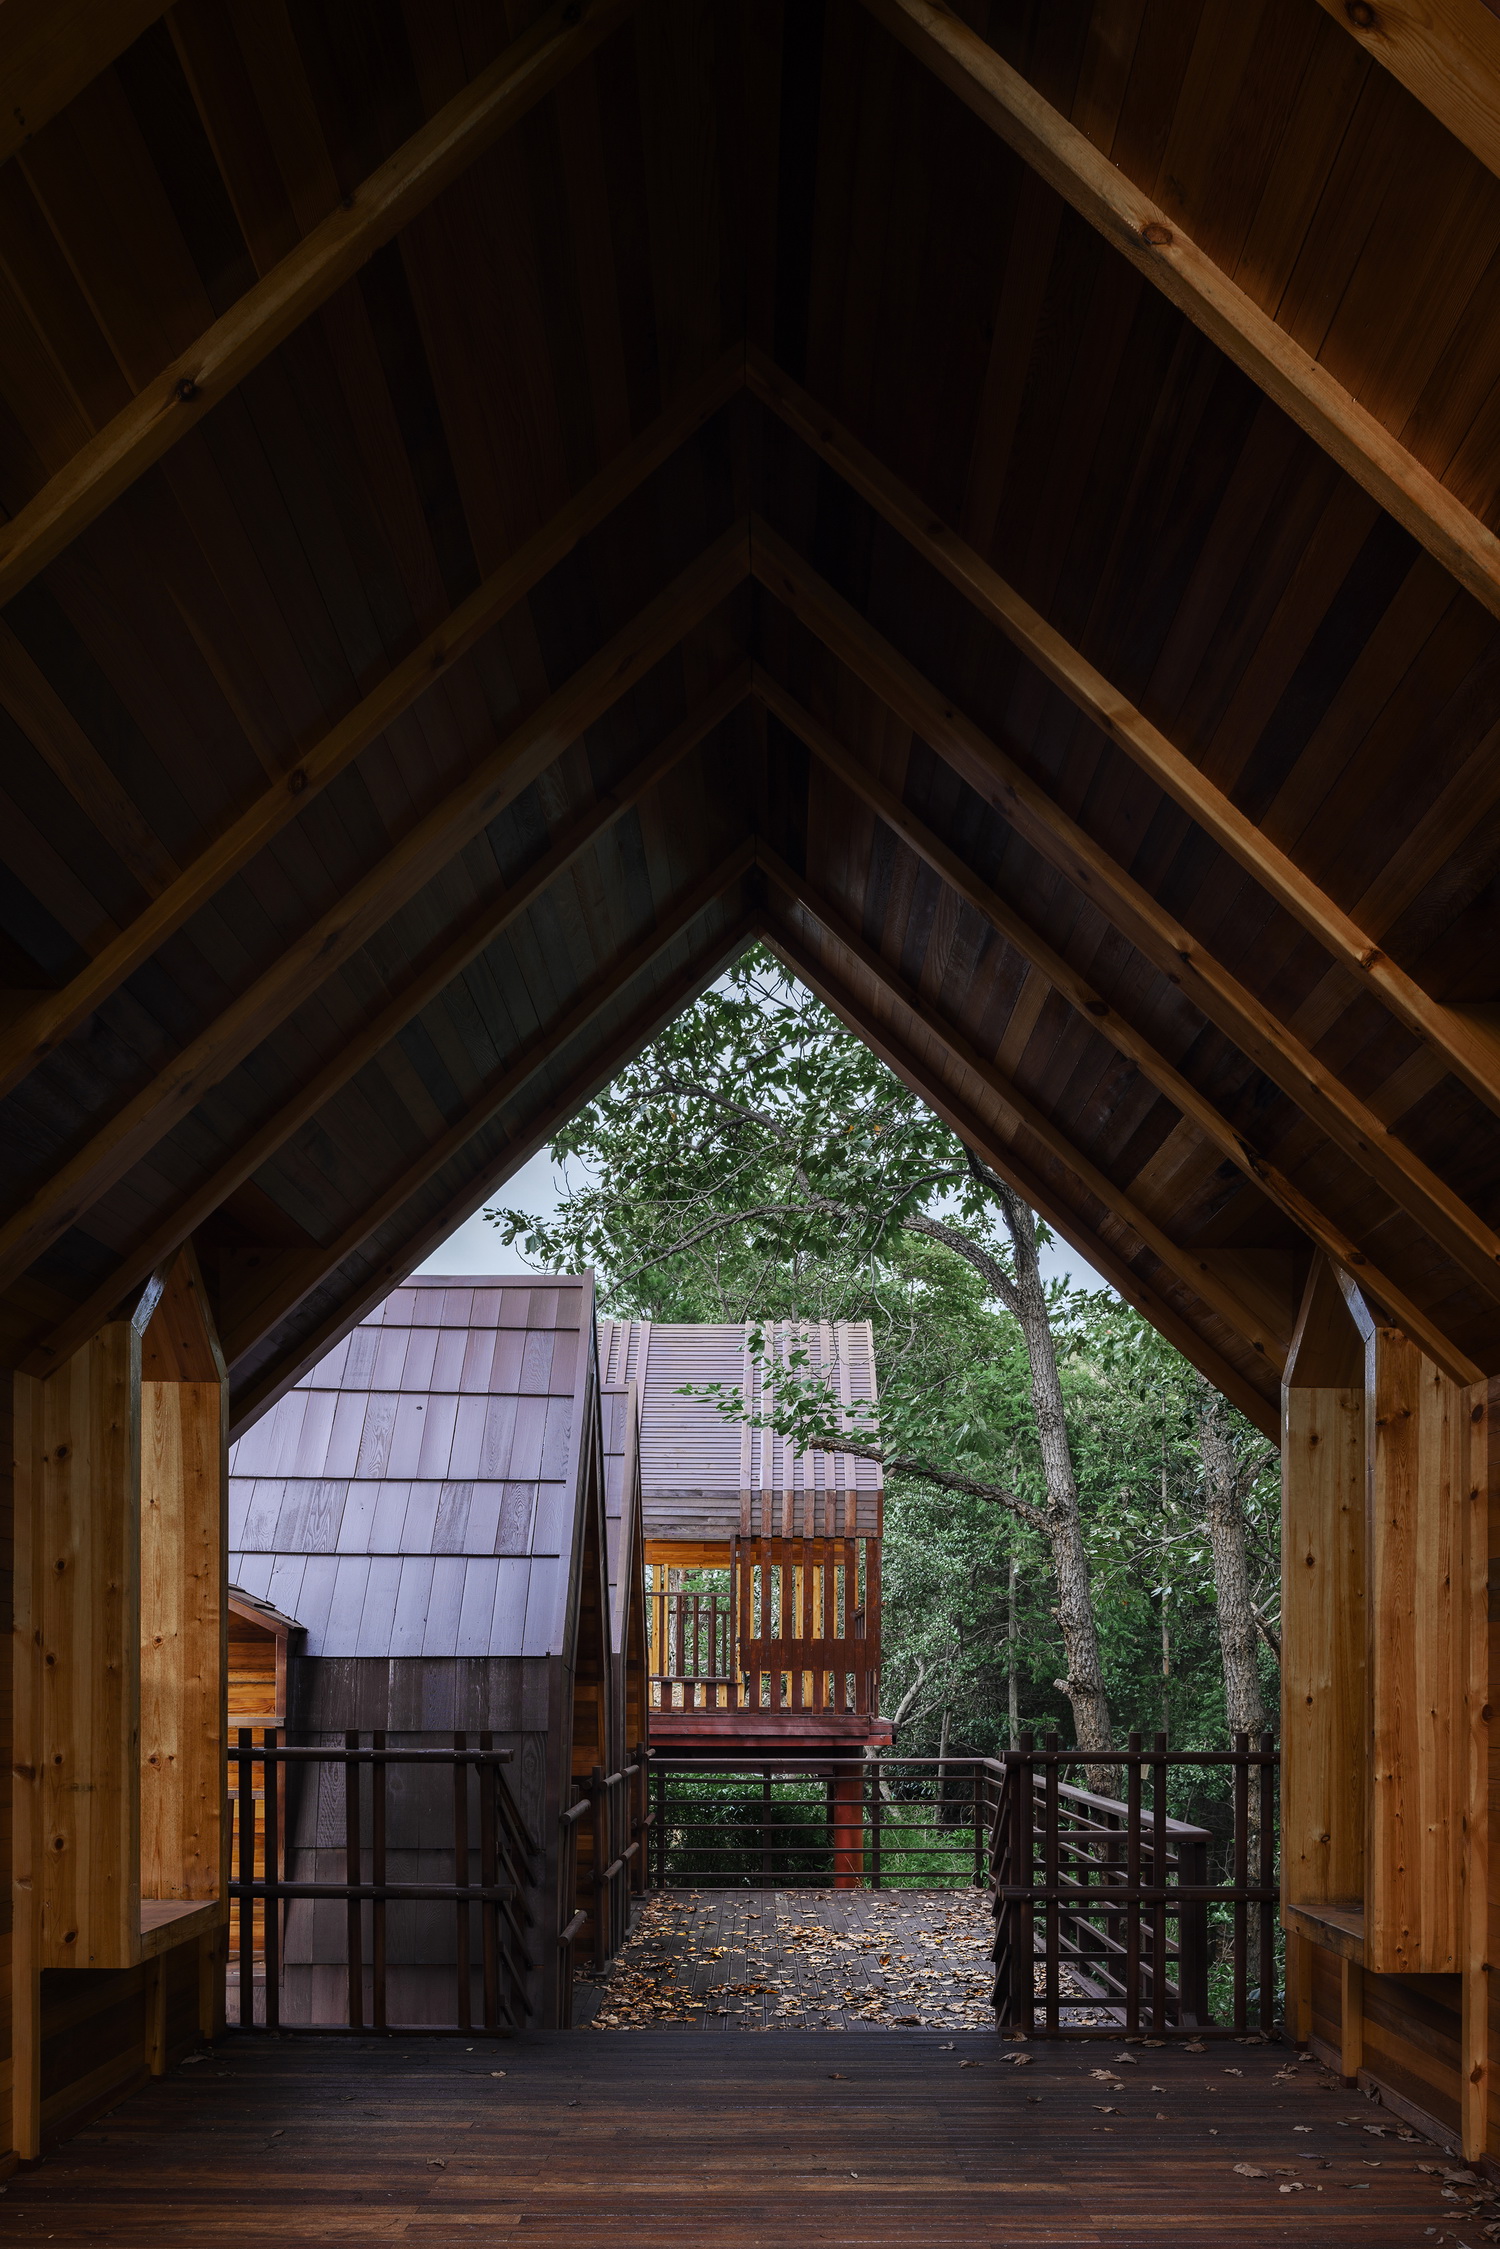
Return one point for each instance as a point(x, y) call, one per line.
point(1041, 1445)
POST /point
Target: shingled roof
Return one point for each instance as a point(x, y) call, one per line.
point(415, 1494)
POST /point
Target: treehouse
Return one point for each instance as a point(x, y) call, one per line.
point(762, 1563)
point(428, 1502)
point(504, 507)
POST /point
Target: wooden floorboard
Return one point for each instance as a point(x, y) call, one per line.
point(785, 2140)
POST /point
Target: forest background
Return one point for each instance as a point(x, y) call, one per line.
point(759, 1163)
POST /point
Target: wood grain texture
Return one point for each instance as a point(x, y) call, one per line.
point(1463, 1047)
point(1446, 53)
point(1416, 1424)
point(866, 2135)
point(175, 400)
point(1158, 247)
point(1075, 854)
point(423, 852)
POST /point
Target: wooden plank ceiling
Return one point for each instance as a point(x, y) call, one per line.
point(504, 505)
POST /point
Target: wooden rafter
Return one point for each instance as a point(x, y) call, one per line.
point(1444, 52)
point(1411, 1184)
point(494, 783)
point(49, 1017)
point(285, 1292)
point(1155, 244)
point(1186, 1265)
point(1459, 1043)
point(986, 1143)
point(51, 49)
point(176, 400)
point(399, 1010)
point(1105, 1018)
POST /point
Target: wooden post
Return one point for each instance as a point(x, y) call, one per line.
point(1298, 1988)
point(846, 1793)
point(1416, 1428)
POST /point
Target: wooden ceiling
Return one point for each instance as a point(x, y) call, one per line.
point(505, 505)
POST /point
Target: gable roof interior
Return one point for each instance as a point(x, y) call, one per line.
point(504, 507)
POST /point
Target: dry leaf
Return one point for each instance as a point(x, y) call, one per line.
point(1250, 2170)
point(1195, 2046)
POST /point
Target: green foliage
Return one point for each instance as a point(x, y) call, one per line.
point(758, 1163)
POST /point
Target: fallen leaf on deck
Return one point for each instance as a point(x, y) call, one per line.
point(1250, 2170)
point(1195, 2046)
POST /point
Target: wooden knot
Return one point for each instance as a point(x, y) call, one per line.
point(1360, 14)
point(185, 390)
point(1156, 234)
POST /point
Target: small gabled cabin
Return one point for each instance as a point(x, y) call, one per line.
point(428, 1504)
point(762, 1562)
point(260, 1639)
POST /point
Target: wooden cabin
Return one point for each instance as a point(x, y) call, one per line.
point(428, 1502)
point(501, 508)
point(762, 1562)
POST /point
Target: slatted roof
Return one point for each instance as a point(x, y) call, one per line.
point(705, 1476)
point(503, 506)
point(417, 1493)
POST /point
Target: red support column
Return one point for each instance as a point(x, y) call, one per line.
point(846, 1793)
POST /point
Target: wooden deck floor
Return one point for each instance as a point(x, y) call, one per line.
point(783, 2141)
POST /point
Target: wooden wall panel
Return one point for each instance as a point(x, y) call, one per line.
point(183, 1654)
point(1323, 1674)
point(85, 1567)
point(1416, 1424)
point(1411, 2038)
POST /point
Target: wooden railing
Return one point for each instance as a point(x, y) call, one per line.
point(614, 1814)
point(350, 1787)
point(796, 1628)
point(691, 1652)
point(814, 1822)
point(1110, 1903)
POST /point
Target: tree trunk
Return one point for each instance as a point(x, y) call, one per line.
point(1084, 1685)
point(1226, 1534)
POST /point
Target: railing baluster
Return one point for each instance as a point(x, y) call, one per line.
point(352, 1872)
point(271, 1773)
point(246, 1785)
point(1159, 1884)
point(1241, 1871)
point(1050, 1877)
point(1266, 1910)
point(461, 1883)
point(489, 1875)
point(377, 1878)
point(1133, 1884)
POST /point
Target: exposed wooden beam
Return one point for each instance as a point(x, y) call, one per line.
point(1412, 1185)
point(303, 964)
point(51, 49)
point(1105, 1018)
point(286, 1292)
point(1460, 1046)
point(1185, 1265)
point(50, 1016)
point(1444, 52)
point(478, 933)
point(1156, 245)
point(978, 1134)
point(176, 400)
